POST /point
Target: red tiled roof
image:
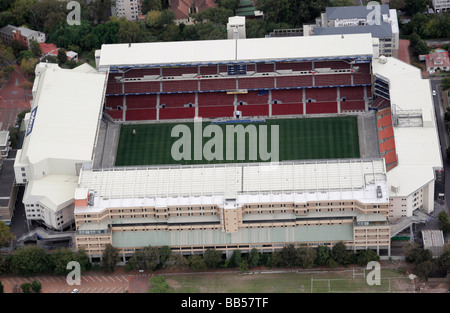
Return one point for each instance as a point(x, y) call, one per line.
point(48, 48)
point(181, 7)
point(441, 56)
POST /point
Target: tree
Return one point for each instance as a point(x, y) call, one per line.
point(411, 252)
point(100, 10)
point(366, 256)
point(415, 6)
point(445, 83)
point(341, 3)
point(164, 255)
point(110, 257)
point(158, 284)
point(62, 56)
point(36, 286)
point(444, 223)
point(30, 260)
point(306, 256)
point(152, 18)
point(145, 259)
point(444, 258)
point(196, 263)
point(212, 258)
point(5, 234)
point(423, 269)
point(243, 266)
point(323, 254)
point(26, 287)
point(418, 45)
point(151, 5)
point(59, 260)
point(177, 262)
point(340, 254)
point(129, 32)
point(35, 48)
point(236, 258)
point(253, 258)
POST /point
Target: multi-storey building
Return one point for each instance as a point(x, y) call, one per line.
point(358, 20)
point(20, 34)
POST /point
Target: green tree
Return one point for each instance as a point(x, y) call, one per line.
point(341, 3)
point(253, 258)
point(30, 260)
point(236, 258)
point(411, 252)
point(82, 258)
point(26, 287)
point(323, 254)
point(151, 5)
point(5, 234)
point(444, 223)
point(158, 284)
point(35, 48)
point(340, 254)
point(366, 256)
point(444, 258)
point(196, 263)
point(423, 269)
point(243, 265)
point(212, 258)
point(217, 16)
point(414, 6)
point(178, 262)
point(129, 32)
point(145, 259)
point(36, 286)
point(59, 260)
point(110, 257)
point(445, 83)
point(100, 10)
point(306, 256)
point(164, 255)
point(62, 56)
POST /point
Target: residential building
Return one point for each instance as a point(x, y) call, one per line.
point(130, 9)
point(21, 34)
point(184, 9)
point(357, 20)
point(441, 6)
point(437, 61)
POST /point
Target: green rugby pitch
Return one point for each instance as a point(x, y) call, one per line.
point(299, 139)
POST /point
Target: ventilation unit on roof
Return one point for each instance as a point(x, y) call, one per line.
point(379, 192)
point(91, 199)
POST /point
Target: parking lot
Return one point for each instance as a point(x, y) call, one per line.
point(57, 284)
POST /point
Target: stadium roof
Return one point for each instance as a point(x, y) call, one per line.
point(418, 148)
point(246, 183)
point(65, 114)
point(235, 50)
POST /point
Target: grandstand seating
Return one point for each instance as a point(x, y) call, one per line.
point(287, 95)
point(217, 84)
point(135, 73)
point(294, 81)
point(113, 102)
point(178, 71)
point(179, 85)
point(321, 107)
point(253, 109)
point(334, 65)
point(254, 97)
point(140, 114)
point(176, 113)
point(352, 93)
point(265, 67)
point(332, 79)
point(287, 108)
point(216, 111)
point(208, 70)
point(361, 79)
point(141, 101)
point(321, 94)
point(353, 106)
point(214, 99)
point(142, 87)
point(112, 86)
point(256, 83)
point(294, 66)
point(176, 100)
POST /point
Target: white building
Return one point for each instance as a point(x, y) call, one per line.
point(441, 5)
point(411, 182)
point(357, 20)
point(60, 137)
point(127, 8)
point(236, 27)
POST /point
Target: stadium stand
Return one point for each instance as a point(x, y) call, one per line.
point(287, 108)
point(141, 101)
point(214, 99)
point(176, 100)
point(332, 79)
point(321, 107)
point(294, 81)
point(321, 94)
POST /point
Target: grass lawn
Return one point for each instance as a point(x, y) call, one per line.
point(291, 282)
point(299, 139)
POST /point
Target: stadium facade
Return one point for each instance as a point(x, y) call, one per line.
point(258, 205)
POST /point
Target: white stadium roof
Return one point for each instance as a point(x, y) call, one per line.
point(237, 50)
point(418, 148)
point(246, 183)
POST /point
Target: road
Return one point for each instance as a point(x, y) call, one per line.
point(443, 135)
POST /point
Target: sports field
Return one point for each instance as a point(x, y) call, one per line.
point(296, 139)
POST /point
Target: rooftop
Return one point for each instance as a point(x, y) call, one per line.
point(352, 12)
point(238, 50)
